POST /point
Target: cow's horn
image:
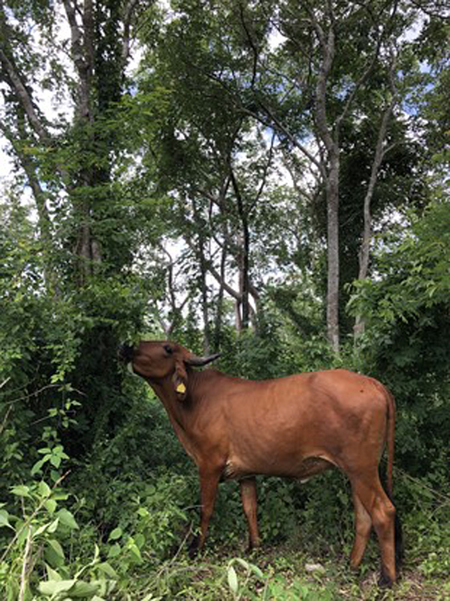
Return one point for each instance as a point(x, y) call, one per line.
point(200, 361)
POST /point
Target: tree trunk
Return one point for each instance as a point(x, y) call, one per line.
point(380, 151)
point(330, 140)
point(219, 302)
point(243, 255)
point(333, 251)
point(203, 284)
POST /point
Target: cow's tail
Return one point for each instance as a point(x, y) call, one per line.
point(389, 476)
point(390, 442)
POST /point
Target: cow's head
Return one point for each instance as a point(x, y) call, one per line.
point(156, 361)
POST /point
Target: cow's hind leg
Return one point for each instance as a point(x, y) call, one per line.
point(382, 512)
point(363, 526)
point(249, 503)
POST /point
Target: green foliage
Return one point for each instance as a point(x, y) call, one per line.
point(135, 223)
point(407, 331)
point(279, 509)
point(36, 535)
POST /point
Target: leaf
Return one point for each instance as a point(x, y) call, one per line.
point(21, 490)
point(4, 519)
point(115, 534)
point(50, 505)
point(107, 569)
point(44, 489)
point(257, 571)
point(60, 496)
point(40, 530)
point(37, 466)
point(135, 550)
point(55, 476)
point(55, 460)
point(53, 526)
point(114, 551)
point(54, 544)
point(232, 579)
point(66, 518)
point(52, 574)
point(83, 589)
point(243, 563)
point(52, 588)
point(73, 588)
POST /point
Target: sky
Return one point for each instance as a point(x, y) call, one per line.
point(45, 99)
point(46, 102)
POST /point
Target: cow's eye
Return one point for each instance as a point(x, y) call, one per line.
point(168, 349)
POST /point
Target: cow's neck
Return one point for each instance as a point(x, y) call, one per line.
point(180, 412)
point(165, 392)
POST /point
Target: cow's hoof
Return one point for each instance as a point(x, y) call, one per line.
point(194, 547)
point(385, 581)
point(251, 548)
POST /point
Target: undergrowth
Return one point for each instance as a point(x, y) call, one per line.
point(52, 549)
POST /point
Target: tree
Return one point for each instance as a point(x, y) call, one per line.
point(70, 157)
point(309, 86)
point(215, 165)
point(407, 317)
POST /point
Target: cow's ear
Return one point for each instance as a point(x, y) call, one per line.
point(180, 380)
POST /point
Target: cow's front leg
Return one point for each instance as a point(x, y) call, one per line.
point(209, 480)
point(249, 503)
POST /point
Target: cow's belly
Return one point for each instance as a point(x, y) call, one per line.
point(301, 468)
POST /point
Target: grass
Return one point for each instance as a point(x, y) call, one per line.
point(305, 556)
point(311, 563)
point(287, 573)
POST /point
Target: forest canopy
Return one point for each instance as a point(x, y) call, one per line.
point(268, 179)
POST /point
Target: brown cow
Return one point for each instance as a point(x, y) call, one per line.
point(296, 426)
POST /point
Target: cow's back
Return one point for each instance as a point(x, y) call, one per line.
point(291, 426)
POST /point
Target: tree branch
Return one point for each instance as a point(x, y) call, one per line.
point(327, 43)
point(82, 52)
point(127, 17)
point(264, 174)
point(16, 84)
point(369, 68)
point(380, 152)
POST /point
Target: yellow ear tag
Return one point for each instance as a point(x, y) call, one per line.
point(181, 388)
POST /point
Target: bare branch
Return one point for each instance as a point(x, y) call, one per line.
point(23, 95)
point(127, 18)
point(252, 44)
point(25, 565)
point(30, 171)
point(290, 168)
point(368, 70)
point(219, 278)
point(264, 174)
point(380, 152)
point(327, 42)
point(82, 52)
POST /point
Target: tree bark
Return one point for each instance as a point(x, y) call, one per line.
point(243, 255)
point(380, 151)
point(330, 140)
point(203, 283)
point(333, 251)
point(219, 302)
